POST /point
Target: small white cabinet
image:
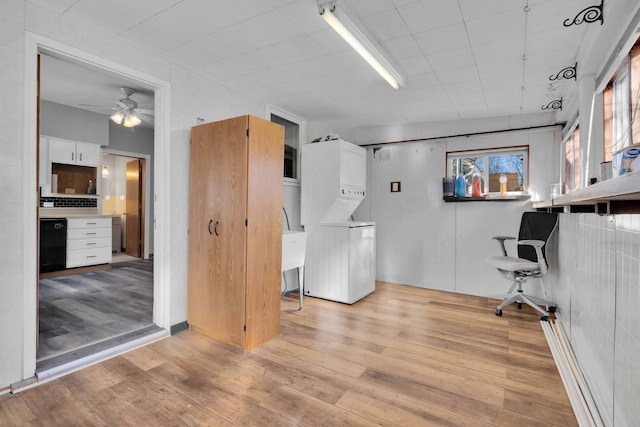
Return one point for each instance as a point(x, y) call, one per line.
point(73, 152)
point(88, 241)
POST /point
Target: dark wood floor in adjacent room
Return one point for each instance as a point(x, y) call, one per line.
point(403, 356)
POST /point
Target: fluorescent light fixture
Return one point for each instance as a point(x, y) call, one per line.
point(339, 20)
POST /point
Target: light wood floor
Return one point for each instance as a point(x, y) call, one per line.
point(403, 356)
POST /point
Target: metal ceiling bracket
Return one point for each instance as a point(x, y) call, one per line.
point(566, 73)
point(588, 14)
point(556, 104)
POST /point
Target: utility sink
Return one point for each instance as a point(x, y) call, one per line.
point(294, 249)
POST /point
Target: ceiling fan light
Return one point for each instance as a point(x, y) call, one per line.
point(117, 117)
point(131, 120)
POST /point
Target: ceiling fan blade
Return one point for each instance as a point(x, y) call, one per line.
point(146, 119)
point(144, 111)
point(98, 106)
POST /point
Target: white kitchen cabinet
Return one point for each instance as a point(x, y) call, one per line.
point(88, 241)
point(73, 152)
point(67, 166)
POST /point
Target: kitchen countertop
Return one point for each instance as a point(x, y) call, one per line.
point(71, 213)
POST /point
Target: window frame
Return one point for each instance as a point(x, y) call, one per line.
point(571, 179)
point(489, 152)
point(302, 136)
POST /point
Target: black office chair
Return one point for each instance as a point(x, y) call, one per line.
point(535, 230)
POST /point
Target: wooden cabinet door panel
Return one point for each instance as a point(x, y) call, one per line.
point(200, 263)
point(225, 192)
point(264, 241)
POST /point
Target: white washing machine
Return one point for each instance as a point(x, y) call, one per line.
point(341, 261)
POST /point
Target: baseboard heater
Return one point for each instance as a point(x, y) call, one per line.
point(582, 402)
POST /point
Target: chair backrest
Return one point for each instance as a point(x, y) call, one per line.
point(535, 226)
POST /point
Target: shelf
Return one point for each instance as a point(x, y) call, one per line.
point(489, 198)
point(614, 196)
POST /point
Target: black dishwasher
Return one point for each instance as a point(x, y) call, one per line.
point(53, 244)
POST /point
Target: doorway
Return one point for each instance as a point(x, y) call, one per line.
point(126, 184)
point(158, 307)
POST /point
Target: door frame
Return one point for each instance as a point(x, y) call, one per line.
point(147, 192)
point(36, 44)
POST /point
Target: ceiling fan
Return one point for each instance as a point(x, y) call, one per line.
point(127, 113)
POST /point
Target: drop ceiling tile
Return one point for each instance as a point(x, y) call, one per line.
point(422, 81)
point(265, 29)
point(304, 15)
point(499, 50)
point(451, 59)
point(58, 6)
point(442, 39)
point(330, 41)
point(458, 75)
point(298, 49)
point(398, 3)
point(415, 65)
point(551, 62)
point(469, 110)
point(386, 25)
point(474, 9)
point(402, 48)
point(282, 3)
point(365, 8)
point(199, 52)
point(549, 41)
point(501, 74)
point(110, 16)
point(496, 27)
point(430, 14)
point(173, 27)
point(551, 15)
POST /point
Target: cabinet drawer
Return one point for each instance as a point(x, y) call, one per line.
point(83, 233)
point(100, 242)
point(82, 257)
point(98, 222)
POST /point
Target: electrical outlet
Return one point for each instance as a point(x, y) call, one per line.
point(47, 204)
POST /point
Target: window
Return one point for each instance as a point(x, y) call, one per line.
point(295, 133)
point(489, 164)
point(571, 150)
point(291, 143)
point(621, 102)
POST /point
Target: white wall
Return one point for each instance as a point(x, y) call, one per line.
point(596, 283)
point(74, 124)
point(191, 96)
point(426, 242)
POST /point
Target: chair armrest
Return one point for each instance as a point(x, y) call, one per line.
point(501, 240)
point(537, 244)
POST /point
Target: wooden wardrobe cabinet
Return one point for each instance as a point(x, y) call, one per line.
point(235, 230)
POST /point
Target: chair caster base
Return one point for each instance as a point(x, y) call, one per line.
point(499, 313)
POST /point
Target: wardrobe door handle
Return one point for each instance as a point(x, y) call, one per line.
point(209, 226)
point(215, 228)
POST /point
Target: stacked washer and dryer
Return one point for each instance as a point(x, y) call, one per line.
point(341, 254)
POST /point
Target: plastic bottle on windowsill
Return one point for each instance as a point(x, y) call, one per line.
point(461, 186)
point(503, 184)
point(476, 186)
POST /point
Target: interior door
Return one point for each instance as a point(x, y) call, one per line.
point(220, 177)
point(133, 209)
